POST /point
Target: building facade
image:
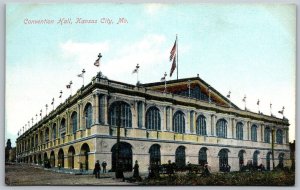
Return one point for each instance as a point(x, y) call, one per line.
point(189, 121)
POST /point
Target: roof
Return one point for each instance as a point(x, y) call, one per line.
point(176, 86)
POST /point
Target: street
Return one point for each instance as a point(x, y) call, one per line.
point(25, 174)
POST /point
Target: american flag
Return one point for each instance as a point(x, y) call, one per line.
point(173, 67)
point(80, 75)
point(97, 62)
point(173, 51)
point(257, 102)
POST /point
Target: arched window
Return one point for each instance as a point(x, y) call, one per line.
point(62, 128)
point(267, 134)
point(279, 136)
point(223, 159)
point(54, 131)
point(239, 130)
point(255, 158)
point(202, 156)
point(153, 118)
point(178, 122)
point(88, 114)
point(254, 133)
point(180, 156)
point(201, 125)
point(154, 152)
point(222, 128)
point(126, 120)
point(74, 122)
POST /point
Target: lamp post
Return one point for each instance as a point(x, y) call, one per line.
point(119, 167)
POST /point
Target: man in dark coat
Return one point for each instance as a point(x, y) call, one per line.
point(104, 164)
point(97, 169)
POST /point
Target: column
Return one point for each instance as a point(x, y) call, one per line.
point(105, 104)
point(258, 132)
point(171, 119)
point(262, 132)
point(208, 125)
point(188, 123)
point(194, 123)
point(96, 108)
point(164, 120)
point(287, 136)
point(213, 124)
point(233, 128)
point(248, 130)
point(135, 115)
point(79, 115)
point(229, 128)
point(143, 115)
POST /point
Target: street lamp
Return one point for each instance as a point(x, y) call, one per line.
point(119, 167)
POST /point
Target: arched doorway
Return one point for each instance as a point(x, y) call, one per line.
point(60, 158)
point(34, 159)
point(180, 156)
point(52, 159)
point(268, 160)
point(71, 154)
point(223, 159)
point(255, 158)
point(45, 157)
point(39, 159)
point(202, 159)
point(280, 159)
point(125, 156)
point(154, 152)
point(84, 156)
point(241, 158)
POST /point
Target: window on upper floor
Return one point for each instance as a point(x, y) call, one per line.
point(74, 122)
point(88, 114)
point(267, 134)
point(201, 125)
point(62, 129)
point(279, 139)
point(126, 117)
point(153, 118)
point(179, 122)
point(254, 132)
point(239, 130)
point(222, 128)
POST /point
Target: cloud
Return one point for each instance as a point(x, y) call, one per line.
point(153, 8)
point(83, 53)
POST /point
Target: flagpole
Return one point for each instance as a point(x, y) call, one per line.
point(177, 54)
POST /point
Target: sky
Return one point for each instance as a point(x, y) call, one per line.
point(248, 49)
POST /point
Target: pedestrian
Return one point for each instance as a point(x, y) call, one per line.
point(136, 173)
point(97, 169)
point(104, 164)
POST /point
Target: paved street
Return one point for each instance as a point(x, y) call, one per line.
point(24, 174)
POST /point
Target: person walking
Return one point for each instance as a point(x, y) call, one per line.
point(97, 169)
point(104, 164)
point(136, 173)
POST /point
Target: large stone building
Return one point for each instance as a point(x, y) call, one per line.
point(189, 122)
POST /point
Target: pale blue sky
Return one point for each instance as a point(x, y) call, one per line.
point(247, 49)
